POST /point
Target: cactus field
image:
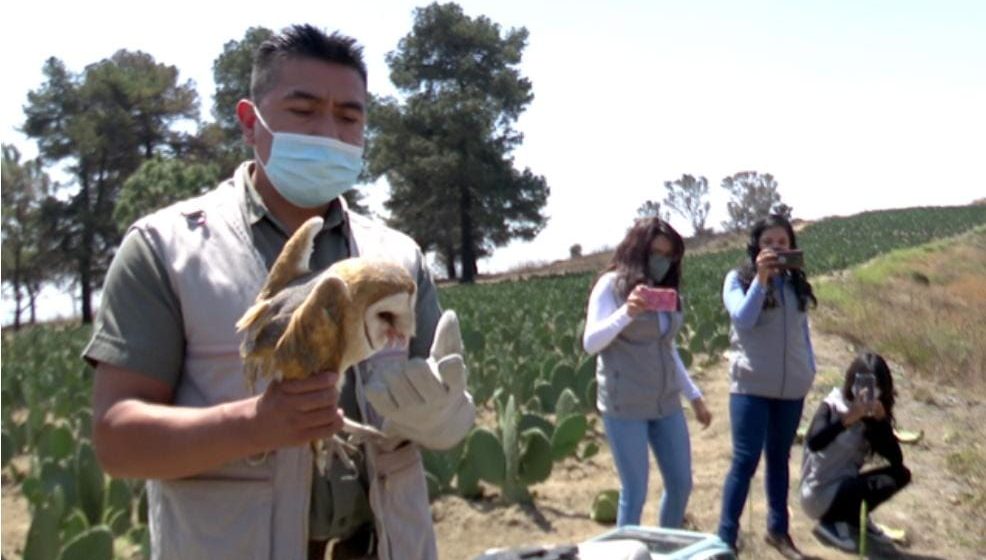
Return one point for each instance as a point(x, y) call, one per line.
point(533, 383)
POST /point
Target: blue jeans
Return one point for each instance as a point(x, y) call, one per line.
point(767, 425)
point(668, 437)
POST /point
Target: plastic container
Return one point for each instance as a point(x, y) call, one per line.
point(626, 543)
point(671, 544)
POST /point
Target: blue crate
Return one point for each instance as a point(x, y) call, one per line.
point(631, 542)
point(671, 544)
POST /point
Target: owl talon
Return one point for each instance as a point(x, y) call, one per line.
point(321, 457)
point(361, 432)
point(339, 449)
point(327, 450)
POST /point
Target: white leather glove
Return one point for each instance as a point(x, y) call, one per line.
point(426, 401)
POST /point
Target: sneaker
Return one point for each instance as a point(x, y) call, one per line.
point(836, 534)
point(875, 534)
point(784, 545)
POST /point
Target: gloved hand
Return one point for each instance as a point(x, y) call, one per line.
point(426, 400)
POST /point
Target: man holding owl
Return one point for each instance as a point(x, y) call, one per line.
point(230, 473)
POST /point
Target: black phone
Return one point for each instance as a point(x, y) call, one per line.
point(793, 258)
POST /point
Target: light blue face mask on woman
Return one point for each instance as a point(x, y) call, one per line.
point(657, 267)
point(309, 171)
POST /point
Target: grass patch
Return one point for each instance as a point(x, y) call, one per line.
point(969, 464)
point(832, 292)
point(966, 462)
point(922, 306)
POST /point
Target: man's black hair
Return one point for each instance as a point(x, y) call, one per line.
point(302, 41)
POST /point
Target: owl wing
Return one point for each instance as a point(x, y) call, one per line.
point(315, 337)
point(293, 260)
point(257, 348)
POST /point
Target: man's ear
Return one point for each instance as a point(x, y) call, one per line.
point(248, 120)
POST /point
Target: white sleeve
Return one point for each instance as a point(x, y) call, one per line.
point(688, 386)
point(605, 317)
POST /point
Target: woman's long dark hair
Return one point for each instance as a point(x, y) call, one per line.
point(871, 362)
point(630, 258)
point(798, 278)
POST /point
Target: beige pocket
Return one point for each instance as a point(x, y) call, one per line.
point(399, 496)
point(212, 519)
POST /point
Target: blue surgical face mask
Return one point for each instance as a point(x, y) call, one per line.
point(657, 267)
point(309, 171)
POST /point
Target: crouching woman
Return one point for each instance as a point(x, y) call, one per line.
point(853, 423)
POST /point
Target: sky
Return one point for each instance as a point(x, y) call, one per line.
point(852, 105)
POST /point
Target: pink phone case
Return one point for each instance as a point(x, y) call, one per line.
point(660, 299)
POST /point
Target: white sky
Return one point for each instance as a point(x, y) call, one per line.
point(851, 104)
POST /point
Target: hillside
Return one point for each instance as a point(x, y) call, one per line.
point(595, 262)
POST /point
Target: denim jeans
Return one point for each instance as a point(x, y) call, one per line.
point(759, 424)
point(668, 438)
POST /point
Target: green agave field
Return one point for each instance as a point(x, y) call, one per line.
point(526, 365)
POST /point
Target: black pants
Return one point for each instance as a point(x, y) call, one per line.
point(359, 545)
point(876, 487)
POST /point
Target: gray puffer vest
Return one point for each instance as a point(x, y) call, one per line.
point(636, 372)
point(771, 359)
point(822, 471)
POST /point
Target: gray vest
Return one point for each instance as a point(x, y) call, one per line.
point(822, 471)
point(257, 508)
point(771, 359)
point(636, 372)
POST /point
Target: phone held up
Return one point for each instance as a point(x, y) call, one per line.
point(864, 386)
point(793, 258)
point(660, 299)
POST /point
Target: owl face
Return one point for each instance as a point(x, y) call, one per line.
point(389, 322)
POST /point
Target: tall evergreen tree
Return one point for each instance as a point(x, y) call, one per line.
point(157, 183)
point(26, 261)
point(231, 72)
point(445, 149)
point(103, 123)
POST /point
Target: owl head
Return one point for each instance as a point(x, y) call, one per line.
point(383, 295)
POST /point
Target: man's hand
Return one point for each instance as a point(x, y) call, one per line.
point(426, 401)
point(296, 412)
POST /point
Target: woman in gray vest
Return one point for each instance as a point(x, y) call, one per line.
point(640, 374)
point(772, 366)
point(852, 423)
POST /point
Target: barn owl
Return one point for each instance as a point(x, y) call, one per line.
point(305, 321)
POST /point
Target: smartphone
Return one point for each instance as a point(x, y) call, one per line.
point(660, 299)
point(864, 386)
point(794, 258)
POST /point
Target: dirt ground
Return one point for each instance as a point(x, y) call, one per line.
point(936, 510)
point(16, 516)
